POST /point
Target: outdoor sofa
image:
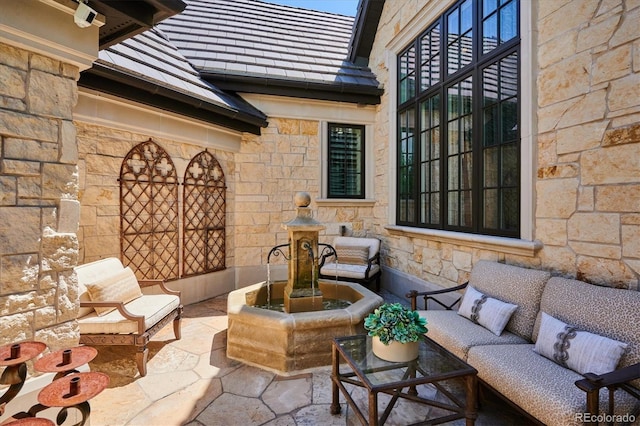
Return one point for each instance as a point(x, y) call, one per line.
point(582, 326)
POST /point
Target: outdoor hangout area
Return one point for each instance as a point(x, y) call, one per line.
point(273, 212)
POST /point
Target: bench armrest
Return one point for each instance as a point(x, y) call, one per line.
point(374, 260)
point(326, 252)
point(429, 295)
point(159, 283)
point(592, 383)
point(139, 319)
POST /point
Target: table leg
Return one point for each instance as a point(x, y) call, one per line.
point(471, 409)
point(335, 372)
point(373, 408)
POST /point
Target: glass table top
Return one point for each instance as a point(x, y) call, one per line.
point(433, 364)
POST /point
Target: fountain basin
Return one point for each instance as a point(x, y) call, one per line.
point(284, 342)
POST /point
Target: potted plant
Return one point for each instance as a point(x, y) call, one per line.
point(396, 331)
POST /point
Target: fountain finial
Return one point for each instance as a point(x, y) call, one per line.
point(302, 199)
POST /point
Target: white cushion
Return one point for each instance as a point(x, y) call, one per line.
point(91, 272)
point(488, 312)
point(353, 255)
point(346, 270)
point(154, 307)
point(120, 287)
point(580, 351)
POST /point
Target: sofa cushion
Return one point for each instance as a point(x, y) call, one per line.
point(605, 311)
point(119, 287)
point(490, 313)
point(354, 255)
point(512, 284)
point(457, 334)
point(580, 351)
point(539, 386)
point(154, 307)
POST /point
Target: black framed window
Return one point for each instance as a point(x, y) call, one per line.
point(346, 172)
point(458, 140)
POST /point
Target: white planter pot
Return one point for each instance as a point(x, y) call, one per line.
point(394, 351)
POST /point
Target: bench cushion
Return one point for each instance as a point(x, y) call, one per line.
point(539, 386)
point(153, 306)
point(512, 284)
point(342, 270)
point(458, 334)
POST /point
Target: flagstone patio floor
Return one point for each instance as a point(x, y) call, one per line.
point(192, 382)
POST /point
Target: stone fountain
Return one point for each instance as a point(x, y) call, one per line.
point(299, 337)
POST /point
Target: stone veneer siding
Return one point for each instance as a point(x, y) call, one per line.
point(271, 168)
point(587, 201)
point(38, 199)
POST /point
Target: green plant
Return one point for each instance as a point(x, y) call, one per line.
point(393, 321)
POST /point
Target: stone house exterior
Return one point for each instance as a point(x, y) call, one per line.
point(63, 147)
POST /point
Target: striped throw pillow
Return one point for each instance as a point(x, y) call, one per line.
point(120, 287)
point(353, 255)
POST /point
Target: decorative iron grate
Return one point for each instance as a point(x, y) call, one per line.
point(204, 210)
point(149, 212)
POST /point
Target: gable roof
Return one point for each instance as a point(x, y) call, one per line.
point(257, 47)
point(149, 69)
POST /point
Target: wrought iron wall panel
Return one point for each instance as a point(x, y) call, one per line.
point(204, 209)
point(149, 212)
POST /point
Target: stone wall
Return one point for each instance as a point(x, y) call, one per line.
point(587, 186)
point(101, 151)
point(271, 168)
point(38, 199)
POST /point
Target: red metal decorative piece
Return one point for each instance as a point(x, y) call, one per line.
point(18, 353)
point(65, 360)
point(73, 389)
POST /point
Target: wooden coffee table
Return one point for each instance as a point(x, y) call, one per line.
point(435, 365)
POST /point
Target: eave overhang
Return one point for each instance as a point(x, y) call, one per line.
point(359, 94)
point(130, 87)
point(124, 19)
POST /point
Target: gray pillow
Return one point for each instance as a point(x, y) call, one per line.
point(580, 351)
point(490, 313)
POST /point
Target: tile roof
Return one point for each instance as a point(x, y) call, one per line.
point(268, 44)
point(151, 59)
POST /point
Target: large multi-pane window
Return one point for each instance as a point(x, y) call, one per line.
point(458, 122)
point(346, 172)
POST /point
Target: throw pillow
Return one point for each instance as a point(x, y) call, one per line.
point(120, 287)
point(490, 313)
point(580, 351)
point(353, 255)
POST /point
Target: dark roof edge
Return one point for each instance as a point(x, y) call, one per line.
point(126, 19)
point(364, 31)
point(352, 93)
point(122, 85)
